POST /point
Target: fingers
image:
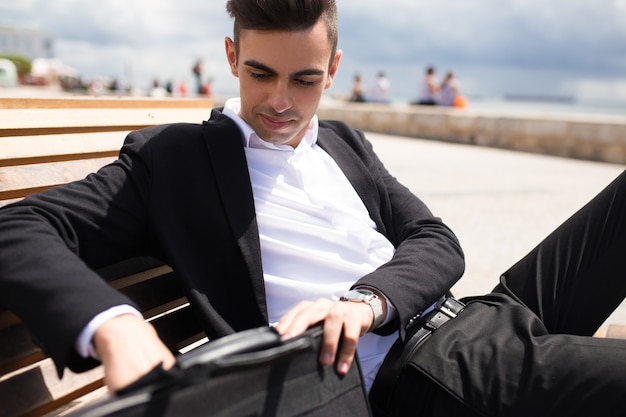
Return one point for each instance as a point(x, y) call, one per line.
point(344, 323)
point(129, 348)
point(302, 316)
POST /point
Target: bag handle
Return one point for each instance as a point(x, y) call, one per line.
point(247, 348)
point(238, 343)
point(263, 356)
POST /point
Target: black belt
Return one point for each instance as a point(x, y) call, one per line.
point(418, 330)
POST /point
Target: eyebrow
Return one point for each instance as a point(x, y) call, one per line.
point(262, 67)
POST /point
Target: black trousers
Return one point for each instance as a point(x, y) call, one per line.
point(526, 349)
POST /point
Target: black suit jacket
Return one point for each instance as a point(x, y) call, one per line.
point(182, 193)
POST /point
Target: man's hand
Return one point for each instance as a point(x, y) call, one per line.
point(129, 348)
point(348, 319)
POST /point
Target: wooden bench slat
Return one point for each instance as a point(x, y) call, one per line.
point(616, 331)
point(38, 390)
point(14, 180)
point(97, 394)
point(12, 195)
point(103, 103)
point(140, 277)
point(35, 122)
point(178, 329)
point(34, 160)
point(165, 308)
point(17, 349)
point(159, 290)
point(23, 147)
point(129, 267)
point(58, 130)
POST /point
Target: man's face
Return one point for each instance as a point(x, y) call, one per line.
point(282, 76)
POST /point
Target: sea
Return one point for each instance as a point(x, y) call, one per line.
point(569, 106)
point(614, 108)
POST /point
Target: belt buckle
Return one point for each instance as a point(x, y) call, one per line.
point(450, 306)
point(447, 305)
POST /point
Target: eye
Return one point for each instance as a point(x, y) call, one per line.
point(306, 83)
point(259, 75)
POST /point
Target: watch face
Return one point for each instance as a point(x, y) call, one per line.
point(359, 294)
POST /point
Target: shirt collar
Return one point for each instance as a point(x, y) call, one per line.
point(232, 107)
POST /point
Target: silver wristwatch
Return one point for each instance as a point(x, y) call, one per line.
point(362, 295)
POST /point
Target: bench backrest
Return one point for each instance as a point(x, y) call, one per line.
point(48, 142)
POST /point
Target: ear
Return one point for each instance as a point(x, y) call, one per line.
point(231, 55)
point(333, 69)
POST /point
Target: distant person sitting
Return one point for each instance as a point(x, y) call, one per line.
point(156, 91)
point(429, 89)
point(449, 90)
point(356, 94)
point(380, 90)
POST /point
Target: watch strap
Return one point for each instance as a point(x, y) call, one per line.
point(358, 295)
point(377, 308)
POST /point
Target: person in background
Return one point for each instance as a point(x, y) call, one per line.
point(449, 90)
point(182, 89)
point(356, 94)
point(429, 89)
point(157, 91)
point(197, 73)
point(379, 93)
point(207, 87)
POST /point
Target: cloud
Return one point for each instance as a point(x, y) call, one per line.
point(495, 46)
point(570, 34)
point(518, 46)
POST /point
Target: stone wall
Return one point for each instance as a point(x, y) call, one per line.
point(591, 137)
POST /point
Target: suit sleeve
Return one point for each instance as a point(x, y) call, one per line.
point(428, 259)
point(51, 243)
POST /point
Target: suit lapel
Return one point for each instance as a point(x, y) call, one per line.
point(223, 139)
point(355, 170)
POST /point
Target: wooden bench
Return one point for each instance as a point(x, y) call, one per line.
point(48, 142)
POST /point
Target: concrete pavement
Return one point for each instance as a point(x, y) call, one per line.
point(500, 203)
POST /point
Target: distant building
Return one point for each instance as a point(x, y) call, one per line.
point(8, 73)
point(38, 47)
point(28, 43)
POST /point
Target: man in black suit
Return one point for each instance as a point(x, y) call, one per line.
point(204, 199)
point(270, 216)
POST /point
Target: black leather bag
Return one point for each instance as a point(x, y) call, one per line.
point(251, 373)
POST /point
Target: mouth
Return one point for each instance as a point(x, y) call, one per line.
point(275, 123)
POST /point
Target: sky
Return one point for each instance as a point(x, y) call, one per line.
point(573, 48)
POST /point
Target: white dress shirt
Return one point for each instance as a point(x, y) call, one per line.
point(317, 238)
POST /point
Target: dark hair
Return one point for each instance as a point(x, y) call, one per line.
point(283, 15)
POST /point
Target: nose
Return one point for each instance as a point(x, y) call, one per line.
point(279, 97)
